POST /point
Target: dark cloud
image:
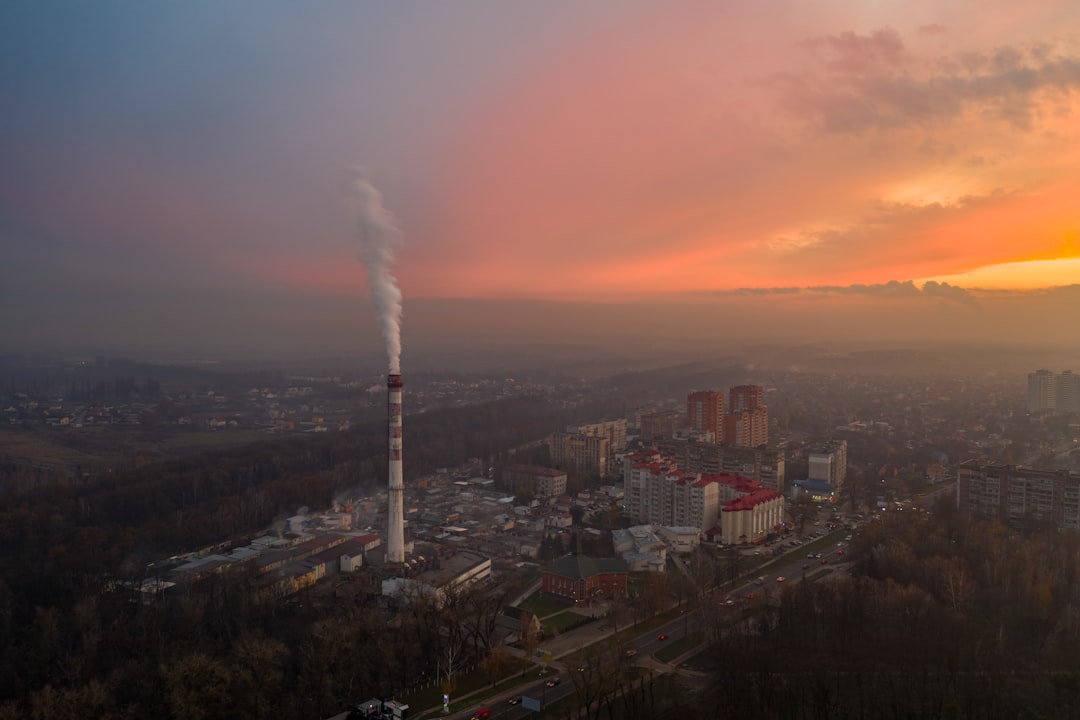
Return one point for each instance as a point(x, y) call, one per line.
point(948, 292)
point(891, 289)
point(867, 82)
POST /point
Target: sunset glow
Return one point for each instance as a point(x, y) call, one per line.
point(578, 152)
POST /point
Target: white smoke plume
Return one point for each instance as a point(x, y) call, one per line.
point(378, 235)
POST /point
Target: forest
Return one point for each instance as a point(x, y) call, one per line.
point(942, 616)
point(72, 647)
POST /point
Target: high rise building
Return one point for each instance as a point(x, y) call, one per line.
point(705, 411)
point(613, 430)
point(583, 453)
point(828, 462)
point(1042, 391)
point(747, 421)
point(747, 428)
point(746, 397)
point(1067, 395)
point(659, 425)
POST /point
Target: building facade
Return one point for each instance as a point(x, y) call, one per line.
point(533, 479)
point(1041, 391)
point(761, 463)
point(1019, 496)
point(746, 397)
point(747, 428)
point(580, 578)
point(583, 453)
point(659, 425)
point(749, 518)
point(613, 430)
point(828, 463)
point(658, 492)
point(705, 412)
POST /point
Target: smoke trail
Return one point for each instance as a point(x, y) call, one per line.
point(378, 235)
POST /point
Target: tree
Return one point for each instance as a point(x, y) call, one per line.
point(198, 687)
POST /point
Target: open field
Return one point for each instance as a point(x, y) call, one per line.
point(101, 445)
point(543, 605)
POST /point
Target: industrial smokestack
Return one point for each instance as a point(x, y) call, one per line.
point(395, 526)
point(378, 234)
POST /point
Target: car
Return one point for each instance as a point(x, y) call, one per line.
point(516, 700)
point(780, 579)
point(661, 636)
point(751, 596)
point(806, 566)
point(631, 653)
point(839, 552)
point(810, 555)
point(552, 682)
point(823, 561)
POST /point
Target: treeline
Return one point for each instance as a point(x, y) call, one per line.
point(218, 655)
point(944, 617)
point(60, 547)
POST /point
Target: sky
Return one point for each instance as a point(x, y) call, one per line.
point(177, 175)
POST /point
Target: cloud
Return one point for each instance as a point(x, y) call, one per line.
point(887, 234)
point(891, 289)
point(861, 83)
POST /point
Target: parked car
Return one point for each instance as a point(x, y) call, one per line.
point(552, 682)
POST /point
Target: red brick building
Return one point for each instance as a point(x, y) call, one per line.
point(580, 578)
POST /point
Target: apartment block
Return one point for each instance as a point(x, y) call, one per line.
point(1019, 496)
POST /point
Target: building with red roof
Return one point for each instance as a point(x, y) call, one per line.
point(658, 492)
point(751, 516)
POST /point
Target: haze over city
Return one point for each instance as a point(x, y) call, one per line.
point(176, 175)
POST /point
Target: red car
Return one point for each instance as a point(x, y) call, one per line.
point(824, 561)
point(839, 552)
point(661, 636)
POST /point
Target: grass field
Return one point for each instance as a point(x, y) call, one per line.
point(543, 605)
point(563, 621)
point(103, 446)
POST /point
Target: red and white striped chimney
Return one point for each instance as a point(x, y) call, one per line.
point(395, 526)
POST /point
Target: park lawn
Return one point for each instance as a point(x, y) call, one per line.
point(564, 621)
point(543, 605)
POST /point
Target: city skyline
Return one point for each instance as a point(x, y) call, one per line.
point(177, 176)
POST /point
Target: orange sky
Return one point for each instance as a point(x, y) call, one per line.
point(605, 152)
